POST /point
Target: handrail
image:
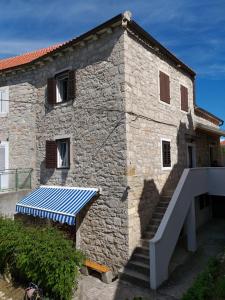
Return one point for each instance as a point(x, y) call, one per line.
point(193, 182)
point(23, 169)
point(15, 179)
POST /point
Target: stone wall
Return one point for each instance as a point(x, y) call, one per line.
point(95, 123)
point(115, 126)
point(152, 120)
point(18, 127)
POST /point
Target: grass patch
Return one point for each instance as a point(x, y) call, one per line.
point(41, 255)
point(209, 284)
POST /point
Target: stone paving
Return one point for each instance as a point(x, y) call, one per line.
point(211, 240)
point(9, 292)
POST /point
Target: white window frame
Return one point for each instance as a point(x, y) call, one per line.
point(59, 78)
point(183, 111)
point(59, 159)
point(165, 140)
point(160, 101)
point(4, 90)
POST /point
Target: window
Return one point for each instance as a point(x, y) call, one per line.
point(164, 85)
point(58, 154)
point(4, 100)
point(166, 154)
point(63, 153)
point(184, 98)
point(61, 88)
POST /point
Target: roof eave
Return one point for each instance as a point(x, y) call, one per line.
point(209, 114)
point(144, 34)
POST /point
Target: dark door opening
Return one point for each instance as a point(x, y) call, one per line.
point(218, 207)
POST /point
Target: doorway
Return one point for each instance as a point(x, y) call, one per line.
point(191, 156)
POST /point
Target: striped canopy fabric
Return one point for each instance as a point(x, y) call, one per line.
point(57, 203)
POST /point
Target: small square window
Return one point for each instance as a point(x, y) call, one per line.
point(62, 84)
point(63, 153)
point(166, 154)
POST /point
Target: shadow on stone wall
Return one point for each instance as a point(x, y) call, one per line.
point(147, 202)
point(45, 174)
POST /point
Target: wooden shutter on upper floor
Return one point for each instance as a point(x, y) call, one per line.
point(51, 155)
point(71, 85)
point(51, 91)
point(184, 98)
point(164, 80)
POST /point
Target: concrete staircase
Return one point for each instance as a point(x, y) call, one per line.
point(137, 270)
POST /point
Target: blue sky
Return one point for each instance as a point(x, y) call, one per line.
point(193, 30)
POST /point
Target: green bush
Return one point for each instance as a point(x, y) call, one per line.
point(220, 287)
point(41, 255)
point(204, 285)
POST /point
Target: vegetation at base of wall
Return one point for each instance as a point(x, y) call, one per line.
point(41, 255)
point(210, 284)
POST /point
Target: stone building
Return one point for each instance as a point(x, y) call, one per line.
point(111, 109)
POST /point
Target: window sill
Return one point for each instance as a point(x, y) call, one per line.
point(3, 115)
point(63, 168)
point(165, 103)
point(64, 103)
point(184, 111)
point(166, 168)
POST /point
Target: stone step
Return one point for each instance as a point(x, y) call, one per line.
point(152, 227)
point(149, 235)
point(160, 210)
point(165, 199)
point(158, 215)
point(141, 258)
point(155, 221)
point(135, 278)
point(144, 243)
point(162, 204)
point(139, 267)
point(143, 250)
point(168, 194)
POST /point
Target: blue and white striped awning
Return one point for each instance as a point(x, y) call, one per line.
point(56, 203)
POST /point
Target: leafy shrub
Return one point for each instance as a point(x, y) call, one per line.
point(204, 285)
point(220, 287)
point(41, 255)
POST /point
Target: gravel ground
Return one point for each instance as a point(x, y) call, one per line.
point(9, 292)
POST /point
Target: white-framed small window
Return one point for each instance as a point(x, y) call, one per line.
point(63, 153)
point(166, 154)
point(62, 87)
point(4, 100)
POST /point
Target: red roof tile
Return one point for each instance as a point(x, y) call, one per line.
point(25, 58)
point(222, 143)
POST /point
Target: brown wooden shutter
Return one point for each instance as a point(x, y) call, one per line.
point(51, 154)
point(184, 98)
point(164, 80)
point(51, 91)
point(71, 85)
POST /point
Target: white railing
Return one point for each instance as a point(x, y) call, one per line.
point(193, 182)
